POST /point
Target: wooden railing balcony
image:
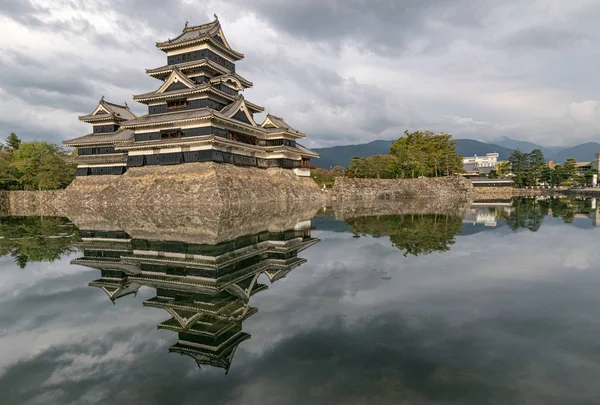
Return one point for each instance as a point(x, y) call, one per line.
point(307, 166)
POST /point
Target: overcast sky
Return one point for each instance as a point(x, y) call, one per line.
point(344, 72)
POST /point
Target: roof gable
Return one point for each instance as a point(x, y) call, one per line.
point(100, 109)
point(230, 80)
point(106, 110)
point(211, 31)
point(221, 35)
point(268, 123)
point(235, 109)
point(277, 124)
point(176, 79)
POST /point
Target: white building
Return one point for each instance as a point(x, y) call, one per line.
point(481, 164)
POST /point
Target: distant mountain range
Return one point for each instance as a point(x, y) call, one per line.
point(341, 155)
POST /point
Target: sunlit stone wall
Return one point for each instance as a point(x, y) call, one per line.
point(451, 188)
point(205, 185)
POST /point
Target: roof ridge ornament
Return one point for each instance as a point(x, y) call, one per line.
point(186, 26)
point(216, 17)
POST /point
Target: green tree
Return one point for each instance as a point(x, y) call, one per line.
point(549, 176)
point(377, 166)
point(40, 165)
point(5, 170)
point(425, 154)
point(503, 168)
point(536, 163)
point(569, 169)
point(589, 175)
point(13, 142)
point(323, 177)
point(528, 168)
point(519, 164)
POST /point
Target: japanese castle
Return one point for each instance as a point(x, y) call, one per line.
point(196, 115)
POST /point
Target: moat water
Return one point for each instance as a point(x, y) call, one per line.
point(497, 304)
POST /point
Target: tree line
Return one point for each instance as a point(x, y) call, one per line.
point(531, 169)
point(416, 154)
point(34, 165)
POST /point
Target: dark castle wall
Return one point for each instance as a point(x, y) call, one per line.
point(191, 105)
point(198, 55)
point(100, 129)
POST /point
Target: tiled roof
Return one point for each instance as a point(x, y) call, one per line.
point(114, 111)
point(170, 92)
point(188, 65)
point(97, 117)
point(223, 78)
point(306, 151)
point(232, 108)
point(95, 159)
point(206, 32)
point(198, 89)
point(120, 110)
point(281, 125)
point(150, 119)
point(193, 32)
point(122, 135)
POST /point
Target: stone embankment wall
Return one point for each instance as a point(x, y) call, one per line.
point(169, 187)
point(506, 193)
point(451, 188)
point(210, 186)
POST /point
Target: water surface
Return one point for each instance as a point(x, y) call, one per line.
point(497, 305)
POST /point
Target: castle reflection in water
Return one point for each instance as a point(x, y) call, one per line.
point(205, 288)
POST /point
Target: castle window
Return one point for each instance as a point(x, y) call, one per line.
point(170, 134)
point(176, 104)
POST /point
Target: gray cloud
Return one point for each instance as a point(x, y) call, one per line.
point(342, 71)
point(545, 38)
point(381, 25)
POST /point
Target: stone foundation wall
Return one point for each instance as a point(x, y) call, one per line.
point(168, 187)
point(208, 184)
point(451, 188)
point(494, 193)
